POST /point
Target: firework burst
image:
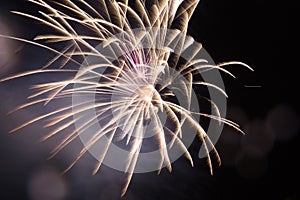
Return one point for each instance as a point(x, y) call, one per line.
point(124, 60)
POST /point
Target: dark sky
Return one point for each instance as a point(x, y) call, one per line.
point(260, 165)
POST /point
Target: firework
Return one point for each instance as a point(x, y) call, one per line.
point(127, 68)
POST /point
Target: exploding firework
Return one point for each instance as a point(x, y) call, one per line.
point(133, 72)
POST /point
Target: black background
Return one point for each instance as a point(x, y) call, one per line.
point(258, 33)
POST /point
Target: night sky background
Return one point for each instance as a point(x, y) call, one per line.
point(260, 165)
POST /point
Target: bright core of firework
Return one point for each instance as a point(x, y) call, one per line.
point(130, 83)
